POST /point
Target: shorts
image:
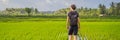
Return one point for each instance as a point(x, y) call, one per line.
point(73, 30)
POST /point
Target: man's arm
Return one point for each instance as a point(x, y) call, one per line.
point(78, 23)
point(67, 23)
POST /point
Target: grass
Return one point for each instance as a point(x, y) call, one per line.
point(57, 18)
point(33, 31)
point(101, 30)
point(54, 29)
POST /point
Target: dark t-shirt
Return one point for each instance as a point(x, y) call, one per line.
point(73, 16)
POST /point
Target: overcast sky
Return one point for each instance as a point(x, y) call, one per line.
point(51, 5)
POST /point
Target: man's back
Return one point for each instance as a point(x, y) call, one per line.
point(73, 15)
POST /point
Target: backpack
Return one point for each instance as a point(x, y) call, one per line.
point(73, 15)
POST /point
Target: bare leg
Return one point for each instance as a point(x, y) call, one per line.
point(70, 37)
point(75, 37)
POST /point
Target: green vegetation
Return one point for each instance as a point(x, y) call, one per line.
point(28, 10)
point(52, 28)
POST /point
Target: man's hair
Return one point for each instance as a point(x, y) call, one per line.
point(73, 6)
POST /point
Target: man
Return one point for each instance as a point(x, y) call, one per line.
point(73, 22)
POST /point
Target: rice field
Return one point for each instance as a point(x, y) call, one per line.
point(55, 29)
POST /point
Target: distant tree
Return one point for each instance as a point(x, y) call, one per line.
point(118, 8)
point(102, 9)
point(112, 9)
point(28, 10)
point(36, 10)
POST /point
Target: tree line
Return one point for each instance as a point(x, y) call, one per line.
point(102, 10)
